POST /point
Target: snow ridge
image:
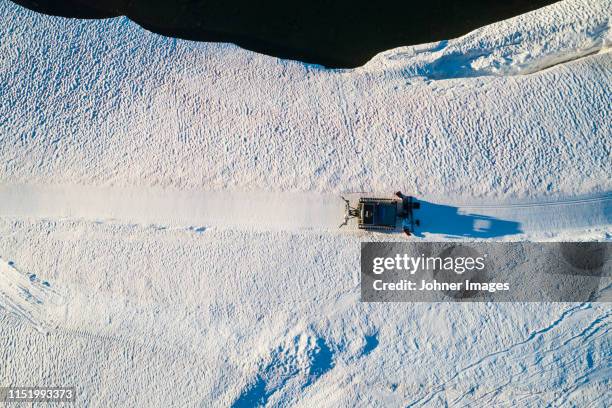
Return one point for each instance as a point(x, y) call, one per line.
point(502, 50)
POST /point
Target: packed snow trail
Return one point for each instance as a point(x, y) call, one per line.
point(292, 211)
point(250, 210)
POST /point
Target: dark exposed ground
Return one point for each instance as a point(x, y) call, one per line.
point(335, 33)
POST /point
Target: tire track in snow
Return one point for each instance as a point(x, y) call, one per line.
point(24, 295)
point(424, 400)
point(595, 326)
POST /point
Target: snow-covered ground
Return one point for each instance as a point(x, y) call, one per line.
point(177, 204)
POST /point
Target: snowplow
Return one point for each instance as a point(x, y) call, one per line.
point(383, 214)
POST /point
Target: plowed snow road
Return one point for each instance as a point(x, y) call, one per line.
point(290, 211)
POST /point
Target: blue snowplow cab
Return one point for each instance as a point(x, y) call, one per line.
point(377, 214)
point(382, 214)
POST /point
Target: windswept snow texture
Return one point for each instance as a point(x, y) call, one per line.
point(105, 102)
point(26, 296)
point(167, 214)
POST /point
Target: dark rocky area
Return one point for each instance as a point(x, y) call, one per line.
point(334, 33)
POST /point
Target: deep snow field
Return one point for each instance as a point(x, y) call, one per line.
point(169, 212)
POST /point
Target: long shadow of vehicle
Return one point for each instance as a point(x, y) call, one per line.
point(448, 220)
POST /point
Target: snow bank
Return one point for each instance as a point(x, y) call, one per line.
point(523, 45)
